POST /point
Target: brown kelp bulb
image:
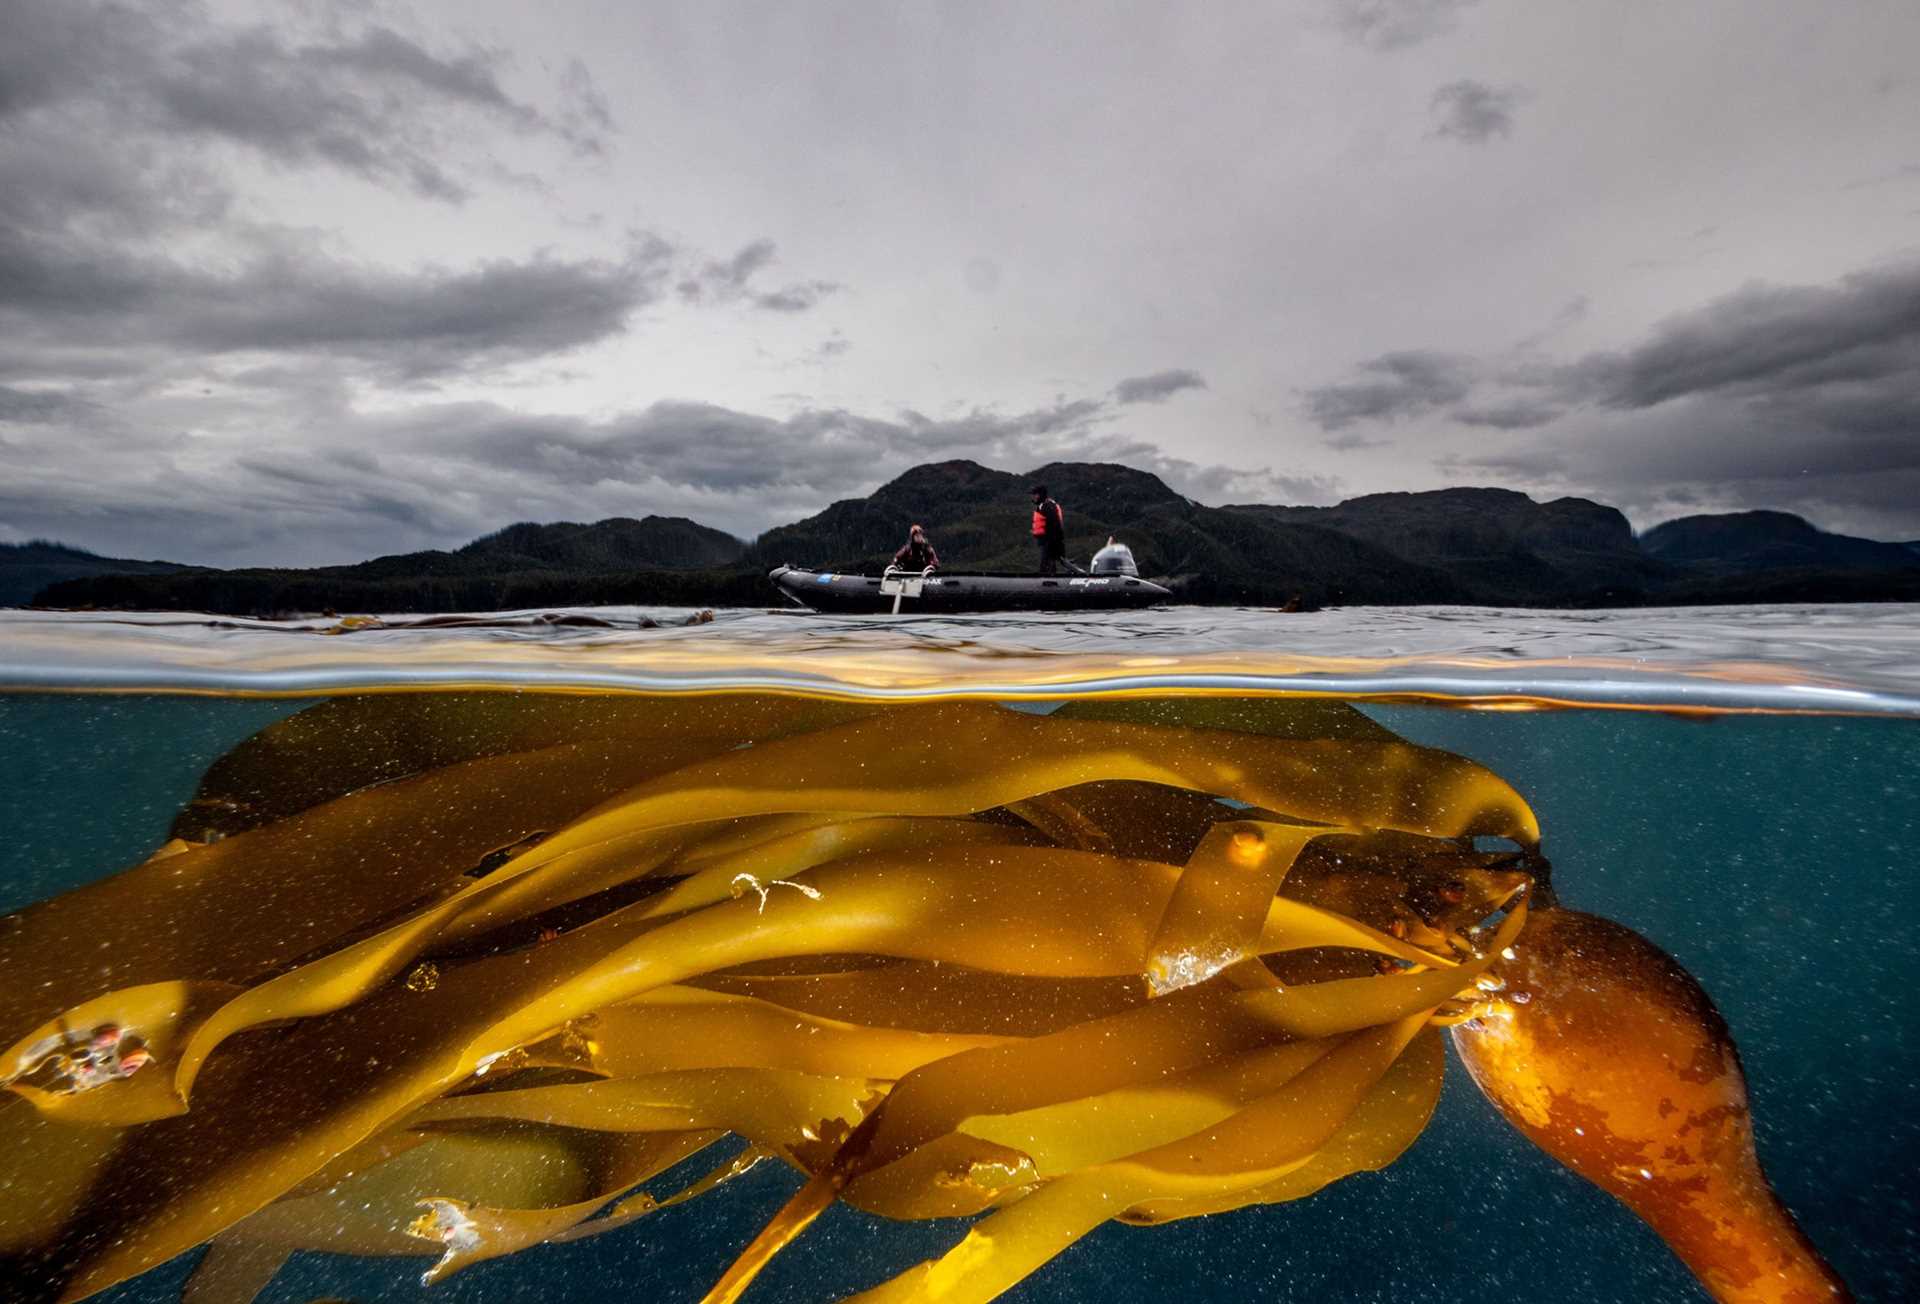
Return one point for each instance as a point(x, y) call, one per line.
point(1612, 1059)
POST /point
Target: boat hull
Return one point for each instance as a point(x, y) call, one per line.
point(938, 593)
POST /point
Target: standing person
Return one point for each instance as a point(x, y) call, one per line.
point(916, 553)
point(1049, 531)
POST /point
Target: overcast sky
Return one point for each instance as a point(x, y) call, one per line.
point(304, 282)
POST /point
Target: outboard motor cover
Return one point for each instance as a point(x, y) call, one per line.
point(1114, 559)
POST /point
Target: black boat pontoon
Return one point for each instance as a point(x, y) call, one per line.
point(938, 592)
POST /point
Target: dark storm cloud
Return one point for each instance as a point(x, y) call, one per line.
point(121, 244)
point(58, 297)
point(1158, 387)
point(1391, 387)
point(1844, 357)
point(35, 407)
point(1836, 347)
point(1353, 442)
point(795, 298)
point(1472, 111)
point(1518, 414)
point(120, 247)
point(1395, 24)
point(1779, 395)
point(376, 104)
point(729, 281)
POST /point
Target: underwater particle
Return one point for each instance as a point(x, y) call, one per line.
point(424, 977)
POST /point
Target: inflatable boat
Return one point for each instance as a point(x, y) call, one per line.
point(937, 592)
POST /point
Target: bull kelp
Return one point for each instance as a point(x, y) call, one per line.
point(457, 975)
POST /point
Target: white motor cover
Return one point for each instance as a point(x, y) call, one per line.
point(1114, 559)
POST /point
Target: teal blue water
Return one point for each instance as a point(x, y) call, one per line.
point(1775, 857)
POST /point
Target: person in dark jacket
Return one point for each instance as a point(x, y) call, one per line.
point(1049, 532)
point(916, 553)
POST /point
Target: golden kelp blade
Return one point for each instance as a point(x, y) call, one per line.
point(1378, 1132)
point(229, 1157)
point(350, 743)
point(1275, 717)
point(60, 1065)
point(488, 1193)
point(777, 1109)
point(838, 877)
point(1214, 917)
point(458, 777)
point(1229, 1152)
point(939, 998)
point(1061, 913)
point(475, 1233)
point(1365, 783)
point(1277, 1134)
point(239, 908)
point(676, 1027)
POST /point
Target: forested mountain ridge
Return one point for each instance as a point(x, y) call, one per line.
point(26, 568)
point(1488, 546)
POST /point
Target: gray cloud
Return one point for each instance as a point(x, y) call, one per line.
point(1844, 357)
point(727, 278)
point(1776, 395)
point(1905, 172)
point(728, 281)
point(1158, 387)
point(1517, 414)
point(375, 104)
point(1395, 24)
point(34, 407)
point(61, 297)
point(1833, 347)
point(1391, 387)
point(795, 298)
point(109, 205)
point(1473, 112)
point(1215, 483)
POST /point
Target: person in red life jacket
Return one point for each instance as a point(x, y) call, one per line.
point(1049, 532)
point(916, 554)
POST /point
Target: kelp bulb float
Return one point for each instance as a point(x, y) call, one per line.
point(1608, 1055)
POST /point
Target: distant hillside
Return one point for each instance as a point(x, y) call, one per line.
point(618, 544)
point(1499, 544)
point(1747, 542)
point(658, 559)
point(26, 568)
point(1468, 545)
